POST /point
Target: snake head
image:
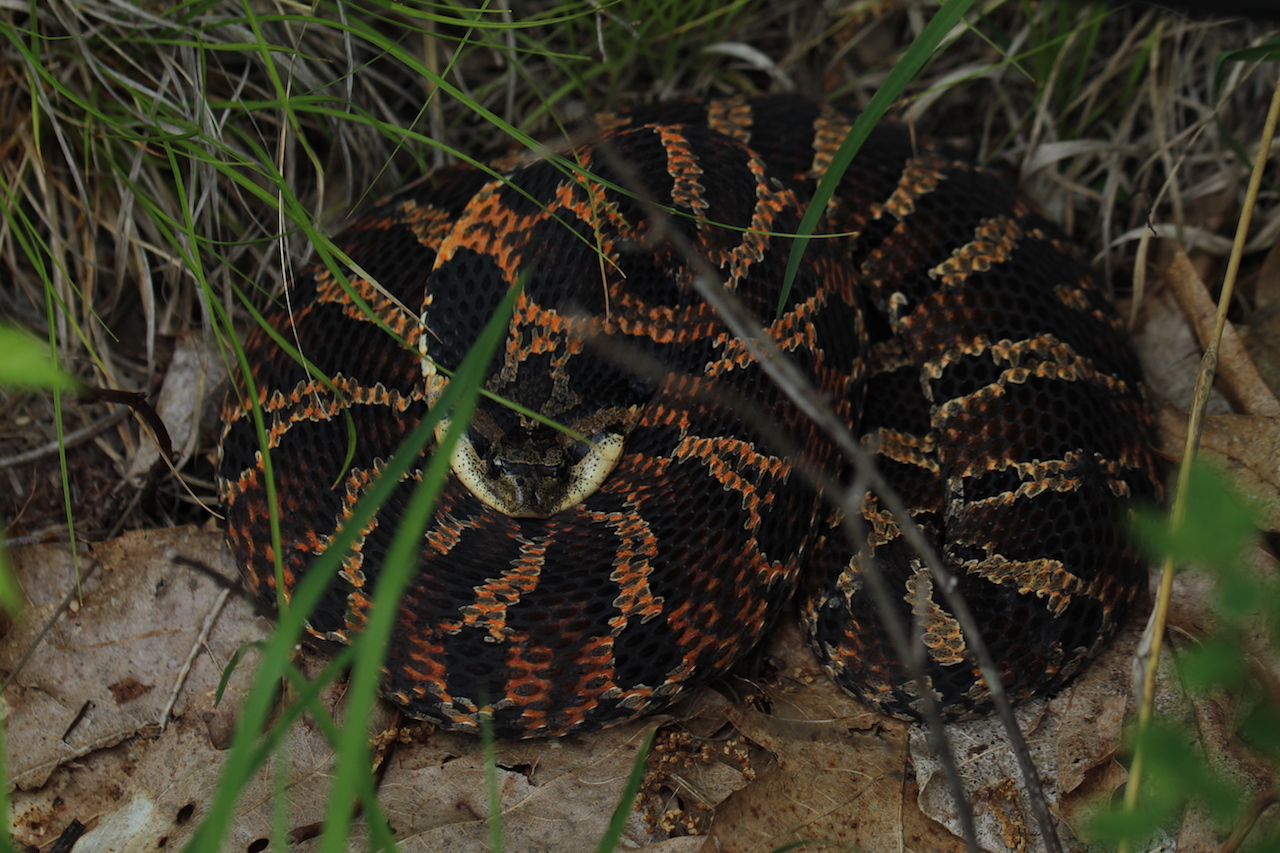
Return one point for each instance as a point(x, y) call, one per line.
point(535, 445)
point(534, 472)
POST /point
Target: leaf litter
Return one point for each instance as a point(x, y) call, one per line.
point(796, 760)
point(104, 726)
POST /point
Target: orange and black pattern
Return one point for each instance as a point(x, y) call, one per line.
point(953, 327)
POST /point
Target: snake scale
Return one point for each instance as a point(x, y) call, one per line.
point(572, 579)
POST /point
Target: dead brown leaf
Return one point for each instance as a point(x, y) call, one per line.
point(1211, 720)
point(1235, 370)
point(1263, 344)
point(105, 674)
point(1170, 354)
point(111, 665)
point(435, 797)
point(1073, 739)
point(1267, 291)
point(836, 776)
point(822, 768)
point(170, 788)
point(193, 373)
point(841, 776)
point(833, 787)
point(1246, 447)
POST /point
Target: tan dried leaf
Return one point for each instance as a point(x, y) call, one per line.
point(838, 778)
point(1263, 344)
point(1246, 447)
point(136, 622)
point(1170, 353)
point(194, 371)
point(552, 794)
point(832, 787)
point(1235, 370)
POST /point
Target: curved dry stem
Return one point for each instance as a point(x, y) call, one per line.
point(1153, 638)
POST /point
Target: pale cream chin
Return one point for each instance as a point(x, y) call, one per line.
point(505, 495)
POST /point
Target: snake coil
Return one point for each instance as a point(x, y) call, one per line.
point(575, 579)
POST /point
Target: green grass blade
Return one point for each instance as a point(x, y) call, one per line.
point(489, 754)
point(401, 563)
point(622, 812)
point(914, 59)
point(243, 760)
point(26, 364)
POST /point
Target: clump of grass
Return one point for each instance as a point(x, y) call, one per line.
point(158, 163)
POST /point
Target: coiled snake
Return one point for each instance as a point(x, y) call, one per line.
point(568, 584)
